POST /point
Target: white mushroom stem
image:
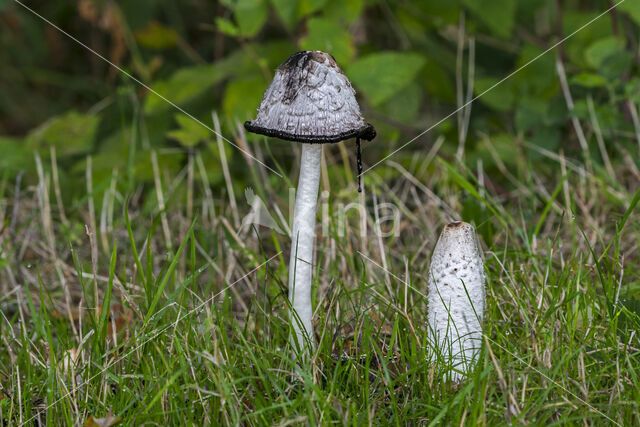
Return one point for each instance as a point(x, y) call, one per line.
point(302, 238)
point(456, 298)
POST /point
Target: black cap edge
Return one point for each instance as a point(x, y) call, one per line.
point(366, 132)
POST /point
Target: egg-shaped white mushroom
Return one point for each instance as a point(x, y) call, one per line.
point(456, 299)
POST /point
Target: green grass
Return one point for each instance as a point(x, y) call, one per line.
point(178, 318)
point(129, 287)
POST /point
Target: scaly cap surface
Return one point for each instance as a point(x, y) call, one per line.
point(310, 100)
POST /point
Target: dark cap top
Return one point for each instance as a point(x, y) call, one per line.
point(310, 100)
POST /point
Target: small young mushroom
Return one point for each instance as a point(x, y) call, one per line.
point(311, 101)
point(456, 298)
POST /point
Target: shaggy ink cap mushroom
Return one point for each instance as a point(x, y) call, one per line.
point(310, 100)
point(456, 297)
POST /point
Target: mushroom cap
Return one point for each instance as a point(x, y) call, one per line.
point(310, 100)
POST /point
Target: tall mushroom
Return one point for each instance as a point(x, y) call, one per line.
point(311, 101)
point(456, 298)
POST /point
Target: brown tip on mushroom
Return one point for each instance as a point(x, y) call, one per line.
point(454, 224)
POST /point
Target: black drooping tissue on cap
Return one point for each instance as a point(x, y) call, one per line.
point(311, 100)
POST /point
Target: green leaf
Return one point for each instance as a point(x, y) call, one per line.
point(187, 83)
point(616, 65)
point(443, 11)
point(329, 36)
point(190, 132)
point(580, 109)
point(343, 11)
point(632, 89)
point(500, 97)
point(602, 49)
point(545, 137)
point(227, 27)
point(403, 106)
point(287, 11)
point(157, 36)
point(530, 113)
point(380, 75)
point(13, 156)
point(71, 133)
point(437, 83)
point(609, 56)
point(307, 7)
point(182, 86)
point(272, 54)
point(632, 7)
point(576, 45)
point(536, 73)
point(250, 15)
point(243, 96)
point(498, 16)
point(589, 80)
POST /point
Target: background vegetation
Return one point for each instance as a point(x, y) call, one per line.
point(130, 287)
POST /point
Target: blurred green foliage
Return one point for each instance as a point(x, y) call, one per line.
point(409, 62)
